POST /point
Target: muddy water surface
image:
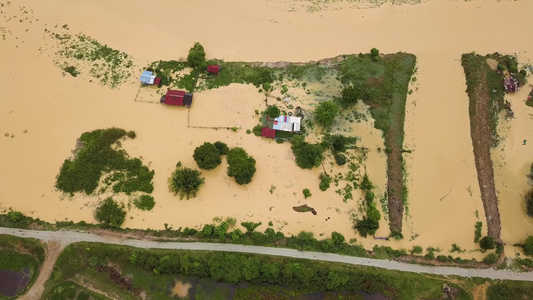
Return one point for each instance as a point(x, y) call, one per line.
point(45, 111)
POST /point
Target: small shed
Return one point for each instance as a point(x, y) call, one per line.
point(178, 98)
point(511, 84)
point(148, 78)
point(213, 69)
point(268, 133)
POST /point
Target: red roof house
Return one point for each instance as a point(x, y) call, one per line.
point(179, 98)
point(268, 133)
point(213, 69)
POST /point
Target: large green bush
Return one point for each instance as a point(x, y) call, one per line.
point(207, 156)
point(325, 113)
point(110, 213)
point(240, 165)
point(307, 155)
point(528, 245)
point(351, 94)
point(185, 182)
point(487, 243)
point(196, 57)
point(144, 202)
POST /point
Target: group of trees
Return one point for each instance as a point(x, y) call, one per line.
point(235, 268)
point(370, 223)
point(241, 166)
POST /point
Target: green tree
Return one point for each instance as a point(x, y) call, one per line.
point(222, 147)
point(366, 226)
point(491, 258)
point(487, 243)
point(273, 111)
point(207, 156)
point(196, 56)
point(251, 267)
point(307, 193)
point(528, 245)
point(185, 182)
point(110, 213)
point(351, 94)
point(240, 165)
point(325, 113)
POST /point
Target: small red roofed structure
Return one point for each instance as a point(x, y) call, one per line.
point(178, 98)
point(214, 69)
point(268, 133)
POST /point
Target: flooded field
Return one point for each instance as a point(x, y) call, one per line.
point(43, 111)
point(13, 282)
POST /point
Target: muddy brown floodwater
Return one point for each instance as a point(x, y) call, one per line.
point(43, 112)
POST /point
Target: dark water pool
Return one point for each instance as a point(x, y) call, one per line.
point(12, 282)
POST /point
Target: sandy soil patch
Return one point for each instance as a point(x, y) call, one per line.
point(180, 289)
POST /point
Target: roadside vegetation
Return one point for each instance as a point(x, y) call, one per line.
point(98, 154)
point(155, 272)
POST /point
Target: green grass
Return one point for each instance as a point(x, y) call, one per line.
point(69, 290)
point(294, 275)
point(12, 258)
point(98, 156)
point(108, 66)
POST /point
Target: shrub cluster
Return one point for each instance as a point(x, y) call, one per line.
point(97, 157)
point(144, 202)
point(307, 155)
point(325, 181)
point(241, 165)
point(110, 213)
point(370, 223)
point(325, 113)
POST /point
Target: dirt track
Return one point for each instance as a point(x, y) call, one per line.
point(482, 142)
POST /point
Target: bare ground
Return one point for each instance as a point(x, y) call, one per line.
point(482, 142)
point(53, 249)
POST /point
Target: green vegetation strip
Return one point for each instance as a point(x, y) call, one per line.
point(155, 272)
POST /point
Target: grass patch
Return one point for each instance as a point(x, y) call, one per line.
point(80, 52)
point(100, 154)
point(70, 290)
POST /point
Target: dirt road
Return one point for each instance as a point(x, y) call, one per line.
point(65, 238)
